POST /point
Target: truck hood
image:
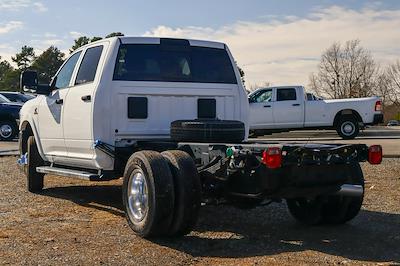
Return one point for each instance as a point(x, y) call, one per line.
point(12, 104)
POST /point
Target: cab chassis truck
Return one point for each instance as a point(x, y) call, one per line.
point(170, 116)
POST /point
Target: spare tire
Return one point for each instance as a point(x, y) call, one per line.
point(208, 130)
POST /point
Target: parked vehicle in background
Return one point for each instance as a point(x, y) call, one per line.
point(393, 123)
point(9, 118)
point(170, 116)
point(289, 107)
point(17, 96)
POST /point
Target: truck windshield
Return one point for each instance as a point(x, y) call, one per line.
point(152, 62)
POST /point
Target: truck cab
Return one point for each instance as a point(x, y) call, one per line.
point(120, 90)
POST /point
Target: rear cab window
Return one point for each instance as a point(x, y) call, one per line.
point(173, 63)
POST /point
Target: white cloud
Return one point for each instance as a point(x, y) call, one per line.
point(40, 7)
point(10, 26)
point(75, 34)
point(286, 51)
point(16, 5)
point(13, 4)
point(42, 44)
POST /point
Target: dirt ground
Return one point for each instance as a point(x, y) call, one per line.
point(81, 223)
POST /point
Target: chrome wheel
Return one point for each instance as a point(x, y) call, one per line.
point(6, 131)
point(348, 128)
point(138, 200)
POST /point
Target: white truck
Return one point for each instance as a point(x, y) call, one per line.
point(170, 116)
point(286, 108)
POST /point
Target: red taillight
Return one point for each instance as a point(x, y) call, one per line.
point(272, 157)
point(378, 106)
point(375, 154)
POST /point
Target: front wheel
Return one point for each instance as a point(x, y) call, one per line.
point(34, 179)
point(333, 209)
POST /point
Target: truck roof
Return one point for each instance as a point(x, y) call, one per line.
point(156, 40)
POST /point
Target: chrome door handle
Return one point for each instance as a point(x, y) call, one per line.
point(267, 106)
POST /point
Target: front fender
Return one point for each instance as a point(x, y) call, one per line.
point(28, 118)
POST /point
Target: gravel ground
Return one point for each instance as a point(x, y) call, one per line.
point(81, 223)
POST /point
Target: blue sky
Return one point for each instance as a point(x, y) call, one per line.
point(274, 41)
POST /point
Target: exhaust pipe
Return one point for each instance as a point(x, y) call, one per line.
point(350, 190)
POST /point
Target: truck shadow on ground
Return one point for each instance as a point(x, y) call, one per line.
point(228, 232)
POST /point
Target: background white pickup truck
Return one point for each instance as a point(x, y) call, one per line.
point(289, 107)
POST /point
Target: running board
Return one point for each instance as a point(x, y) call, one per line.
point(68, 173)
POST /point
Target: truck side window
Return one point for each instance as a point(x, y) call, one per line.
point(65, 74)
point(262, 96)
point(286, 95)
point(88, 67)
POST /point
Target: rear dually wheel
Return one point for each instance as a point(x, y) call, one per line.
point(331, 209)
point(148, 194)
point(348, 127)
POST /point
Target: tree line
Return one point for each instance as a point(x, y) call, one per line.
point(348, 70)
point(46, 64)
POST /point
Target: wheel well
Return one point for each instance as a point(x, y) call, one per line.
point(26, 132)
point(344, 113)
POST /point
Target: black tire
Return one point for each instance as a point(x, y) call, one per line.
point(187, 189)
point(34, 180)
point(8, 130)
point(306, 211)
point(340, 209)
point(347, 127)
point(208, 130)
point(159, 194)
point(333, 209)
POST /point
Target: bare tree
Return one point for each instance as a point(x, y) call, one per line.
point(345, 71)
point(257, 86)
point(392, 76)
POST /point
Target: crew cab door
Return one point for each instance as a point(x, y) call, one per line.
point(78, 126)
point(50, 112)
point(315, 112)
point(288, 108)
point(261, 109)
